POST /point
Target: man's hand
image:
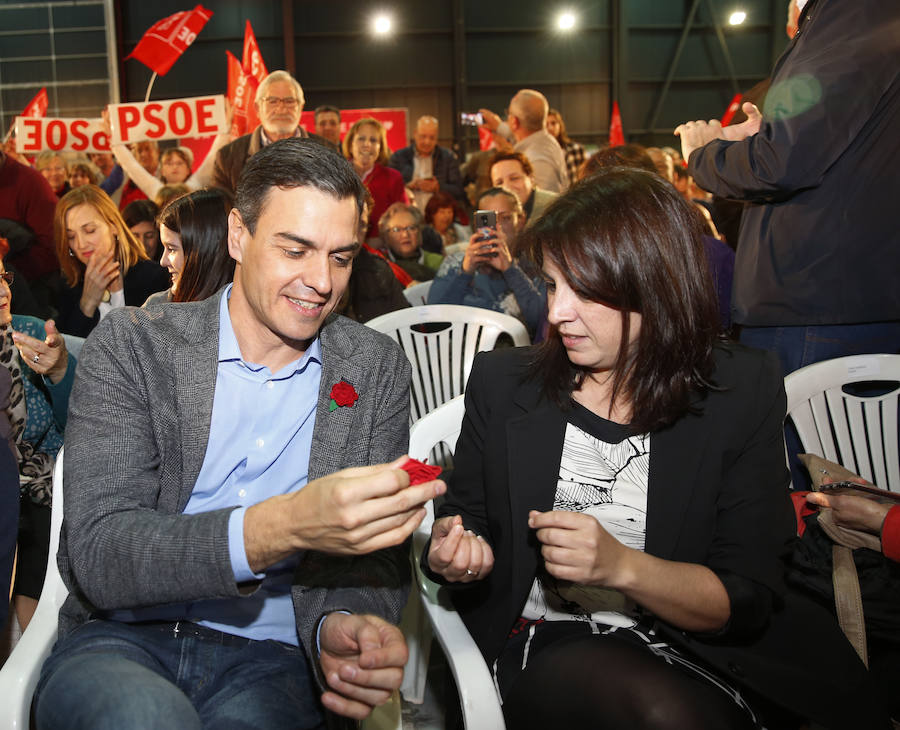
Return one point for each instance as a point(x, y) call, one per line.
point(351, 512)
point(491, 120)
point(697, 134)
point(458, 554)
point(362, 658)
point(487, 247)
point(577, 548)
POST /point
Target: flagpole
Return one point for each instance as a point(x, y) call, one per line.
point(150, 87)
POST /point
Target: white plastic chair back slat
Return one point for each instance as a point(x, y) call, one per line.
point(442, 359)
point(417, 294)
point(478, 697)
point(857, 431)
point(20, 673)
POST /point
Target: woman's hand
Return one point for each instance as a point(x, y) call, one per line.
point(487, 247)
point(458, 554)
point(46, 357)
point(101, 273)
point(576, 548)
point(855, 513)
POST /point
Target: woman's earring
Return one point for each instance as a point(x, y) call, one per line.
point(71, 253)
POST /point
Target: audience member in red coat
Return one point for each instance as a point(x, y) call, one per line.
point(366, 147)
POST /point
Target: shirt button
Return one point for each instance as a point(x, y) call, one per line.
point(270, 385)
point(260, 443)
point(242, 493)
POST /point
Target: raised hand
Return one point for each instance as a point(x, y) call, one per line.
point(362, 658)
point(100, 274)
point(458, 554)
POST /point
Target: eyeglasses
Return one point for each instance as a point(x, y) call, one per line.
point(403, 229)
point(8, 277)
point(288, 102)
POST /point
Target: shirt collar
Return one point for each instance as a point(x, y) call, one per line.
point(230, 351)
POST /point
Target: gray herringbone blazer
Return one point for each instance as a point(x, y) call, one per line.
point(135, 442)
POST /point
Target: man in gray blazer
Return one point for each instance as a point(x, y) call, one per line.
point(223, 572)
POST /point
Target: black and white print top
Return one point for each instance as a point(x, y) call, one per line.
point(603, 472)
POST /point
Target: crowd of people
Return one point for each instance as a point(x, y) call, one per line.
point(617, 528)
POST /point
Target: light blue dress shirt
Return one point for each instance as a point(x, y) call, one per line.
point(260, 438)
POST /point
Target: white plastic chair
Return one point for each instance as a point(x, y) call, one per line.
point(417, 294)
point(441, 341)
point(20, 673)
point(857, 432)
point(477, 694)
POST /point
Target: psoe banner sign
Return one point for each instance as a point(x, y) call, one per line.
point(198, 116)
point(36, 134)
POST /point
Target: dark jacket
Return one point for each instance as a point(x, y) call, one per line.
point(142, 280)
point(717, 496)
point(819, 242)
point(445, 169)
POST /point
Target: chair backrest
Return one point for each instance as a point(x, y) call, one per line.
point(417, 294)
point(856, 429)
point(441, 341)
point(20, 673)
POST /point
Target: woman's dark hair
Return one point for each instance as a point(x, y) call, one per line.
point(140, 211)
point(201, 219)
point(626, 238)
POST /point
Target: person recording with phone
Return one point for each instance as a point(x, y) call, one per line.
point(489, 274)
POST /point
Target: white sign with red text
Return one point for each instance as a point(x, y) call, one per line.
point(36, 134)
point(198, 116)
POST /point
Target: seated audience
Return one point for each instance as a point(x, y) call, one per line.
point(234, 502)
point(82, 172)
point(105, 266)
point(194, 232)
point(490, 273)
point(42, 373)
point(428, 168)
point(52, 165)
point(140, 217)
point(440, 214)
point(513, 171)
point(373, 289)
point(9, 498)
point(574, 152)
point(365, 145)
point(614, 529)
point(401, 230)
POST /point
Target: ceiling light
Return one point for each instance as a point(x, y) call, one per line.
point(565, 21)
point(382, 24)
point(737, 17)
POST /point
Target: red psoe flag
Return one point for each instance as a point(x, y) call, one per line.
point(732, 109)
point(37, 107)
point(252, 61)
point(168, 38)
point(616, 135)
point(236, 95)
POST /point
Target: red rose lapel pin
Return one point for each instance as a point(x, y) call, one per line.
point(342, 394)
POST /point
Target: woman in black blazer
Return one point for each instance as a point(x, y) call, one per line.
point(104, 264)
point(618, 512)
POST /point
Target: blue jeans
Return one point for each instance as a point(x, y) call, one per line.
point(107, 675)
point(799, 346)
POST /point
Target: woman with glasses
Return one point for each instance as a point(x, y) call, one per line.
point(104, 264)
point(365, 145)
point(41, 371)
point(401, 230)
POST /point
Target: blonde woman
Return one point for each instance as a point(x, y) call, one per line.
point(104, 264)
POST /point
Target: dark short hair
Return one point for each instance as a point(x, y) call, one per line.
point(625, 237)
point(440, 199)
point(294, 163)
point(325, 108)
point(201, 219)
point(140, 211)
point(625, 155)
point(517, 156)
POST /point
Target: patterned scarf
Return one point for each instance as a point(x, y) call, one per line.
point(35, 467)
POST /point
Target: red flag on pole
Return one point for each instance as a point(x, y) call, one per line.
point(252, 61)
point(168, 38)
point(732, 109)
point(616, 135)
point(37, 107)
point(242, 95)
